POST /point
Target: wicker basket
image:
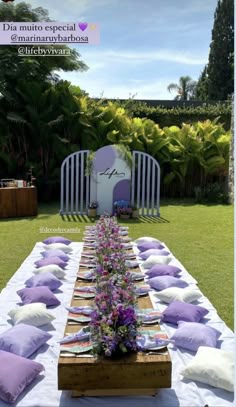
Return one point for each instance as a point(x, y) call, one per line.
point(124, 216)
point(92, 212)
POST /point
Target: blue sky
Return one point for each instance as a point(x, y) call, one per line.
point(145, 45)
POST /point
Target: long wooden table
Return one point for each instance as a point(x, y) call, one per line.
point(133, 374)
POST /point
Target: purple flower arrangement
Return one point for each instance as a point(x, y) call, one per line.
point(113, 322)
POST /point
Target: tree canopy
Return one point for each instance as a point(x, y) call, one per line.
point(217, 80)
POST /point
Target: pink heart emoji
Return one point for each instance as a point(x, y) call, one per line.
point(83, 26)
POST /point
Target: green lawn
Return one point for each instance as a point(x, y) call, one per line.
point(200, 236)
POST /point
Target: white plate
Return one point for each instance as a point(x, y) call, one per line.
point(138, 278)
point(141, 294)
point(88, 265)
point(154, 321)
point(82, 277)
point(156, 348)
point(84, 296)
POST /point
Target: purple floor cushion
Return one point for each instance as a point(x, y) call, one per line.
point(57, 239)
point(162, 282)
point(23, 340)
point(51, 260)
point(16, 373)
point(163, 270)
point(146, 239)
point(149, 245)
point(46, 279)
point(38, 294)
point(191, 335)
point(182, 311)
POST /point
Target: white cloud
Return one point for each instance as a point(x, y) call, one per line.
point(161, 55)
point(106, 87)
point(119, 74)
point(106, 57)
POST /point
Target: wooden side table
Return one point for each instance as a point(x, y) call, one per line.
point(26, 201)
point(7, 203)
point(17, 202)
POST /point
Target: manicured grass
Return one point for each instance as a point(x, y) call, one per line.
point(200, 236)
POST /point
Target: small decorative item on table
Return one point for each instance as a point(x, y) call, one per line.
point(92, 209)
point(124, 213)
point(120, 204)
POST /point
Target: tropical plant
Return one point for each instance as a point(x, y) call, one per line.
point(214, 143)
point(185, 88)
point(35, 115)
point(41, 123)
point(183, 152)
point(196, 154)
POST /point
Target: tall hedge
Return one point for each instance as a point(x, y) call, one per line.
point(175, 116)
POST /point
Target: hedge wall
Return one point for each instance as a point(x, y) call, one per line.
point(176, 116)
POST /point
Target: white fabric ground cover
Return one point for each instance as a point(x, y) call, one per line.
point(43, 391)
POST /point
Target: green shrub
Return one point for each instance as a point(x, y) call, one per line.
point(175, 116)
point(213, 193)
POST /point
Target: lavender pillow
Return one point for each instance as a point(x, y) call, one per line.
point(57, 239)
point(38, 294)
point(182, 311)
point(162, 270)
point(191, 335)
point(153, 252)
point(56, 253)
point(162, 282)
point(23, 340)
point(51, 260)
point(145, 239)
point(149, 245)
point(44, 279)
point(16, 373)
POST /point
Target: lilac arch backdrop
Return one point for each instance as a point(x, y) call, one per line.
point(111, 179)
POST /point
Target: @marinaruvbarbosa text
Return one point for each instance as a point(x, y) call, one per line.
point(52, 39)
point(49, 33)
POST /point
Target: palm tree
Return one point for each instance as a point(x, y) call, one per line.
point(185, 88)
